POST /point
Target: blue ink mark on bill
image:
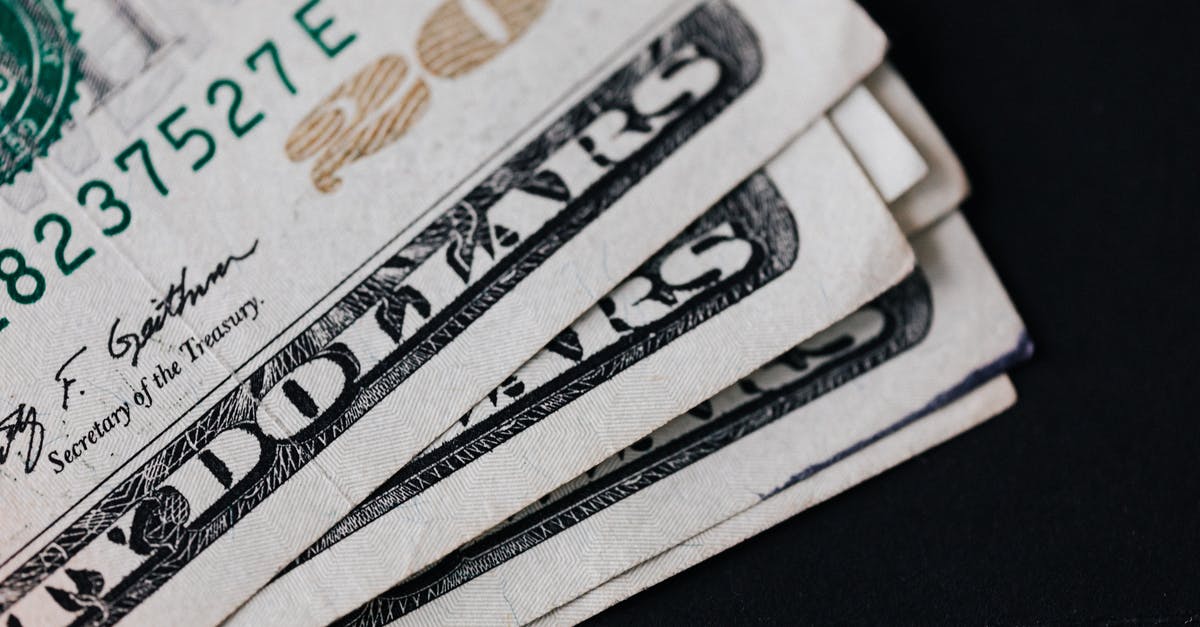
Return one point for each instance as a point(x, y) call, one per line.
point(1022, 352)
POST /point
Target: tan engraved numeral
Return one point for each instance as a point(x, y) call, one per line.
point(352, 123)
point(452, 43)
point(337, 139)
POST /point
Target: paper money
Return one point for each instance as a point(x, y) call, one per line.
point(895, 165)
point(266, 279)
point(274, 278)
point(940, 333)
point(976, 406)
point(790, 250)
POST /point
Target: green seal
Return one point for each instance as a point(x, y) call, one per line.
point(39, 69)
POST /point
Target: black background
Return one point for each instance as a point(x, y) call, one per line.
point(1077, 123)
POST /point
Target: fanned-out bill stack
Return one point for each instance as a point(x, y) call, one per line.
point(458, 311)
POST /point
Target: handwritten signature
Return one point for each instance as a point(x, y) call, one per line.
point(176, 301)
point(22, 421)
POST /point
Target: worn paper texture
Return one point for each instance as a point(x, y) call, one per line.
point(792, 249)
point(359, 272)
point(943, 331)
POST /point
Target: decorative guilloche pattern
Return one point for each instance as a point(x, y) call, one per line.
point(859, 397)
point(763, 269)
point(580, 359)
point(875, 333)
point(304, 395)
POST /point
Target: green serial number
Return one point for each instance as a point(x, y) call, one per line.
point(25, 285)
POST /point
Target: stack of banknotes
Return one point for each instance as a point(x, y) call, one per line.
point(458, 311)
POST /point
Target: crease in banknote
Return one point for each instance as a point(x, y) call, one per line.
point(187, 321)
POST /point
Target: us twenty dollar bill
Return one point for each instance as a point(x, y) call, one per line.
point(574, 363)
point(830, 403)
point(255, 270)
point(881, 128)
point(790, 250)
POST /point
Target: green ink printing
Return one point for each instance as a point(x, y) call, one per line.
point(39, 71)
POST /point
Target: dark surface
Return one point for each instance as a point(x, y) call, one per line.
point(1078, 125)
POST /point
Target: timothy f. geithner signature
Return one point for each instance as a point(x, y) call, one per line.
point(22, 422)
point(178, 298)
